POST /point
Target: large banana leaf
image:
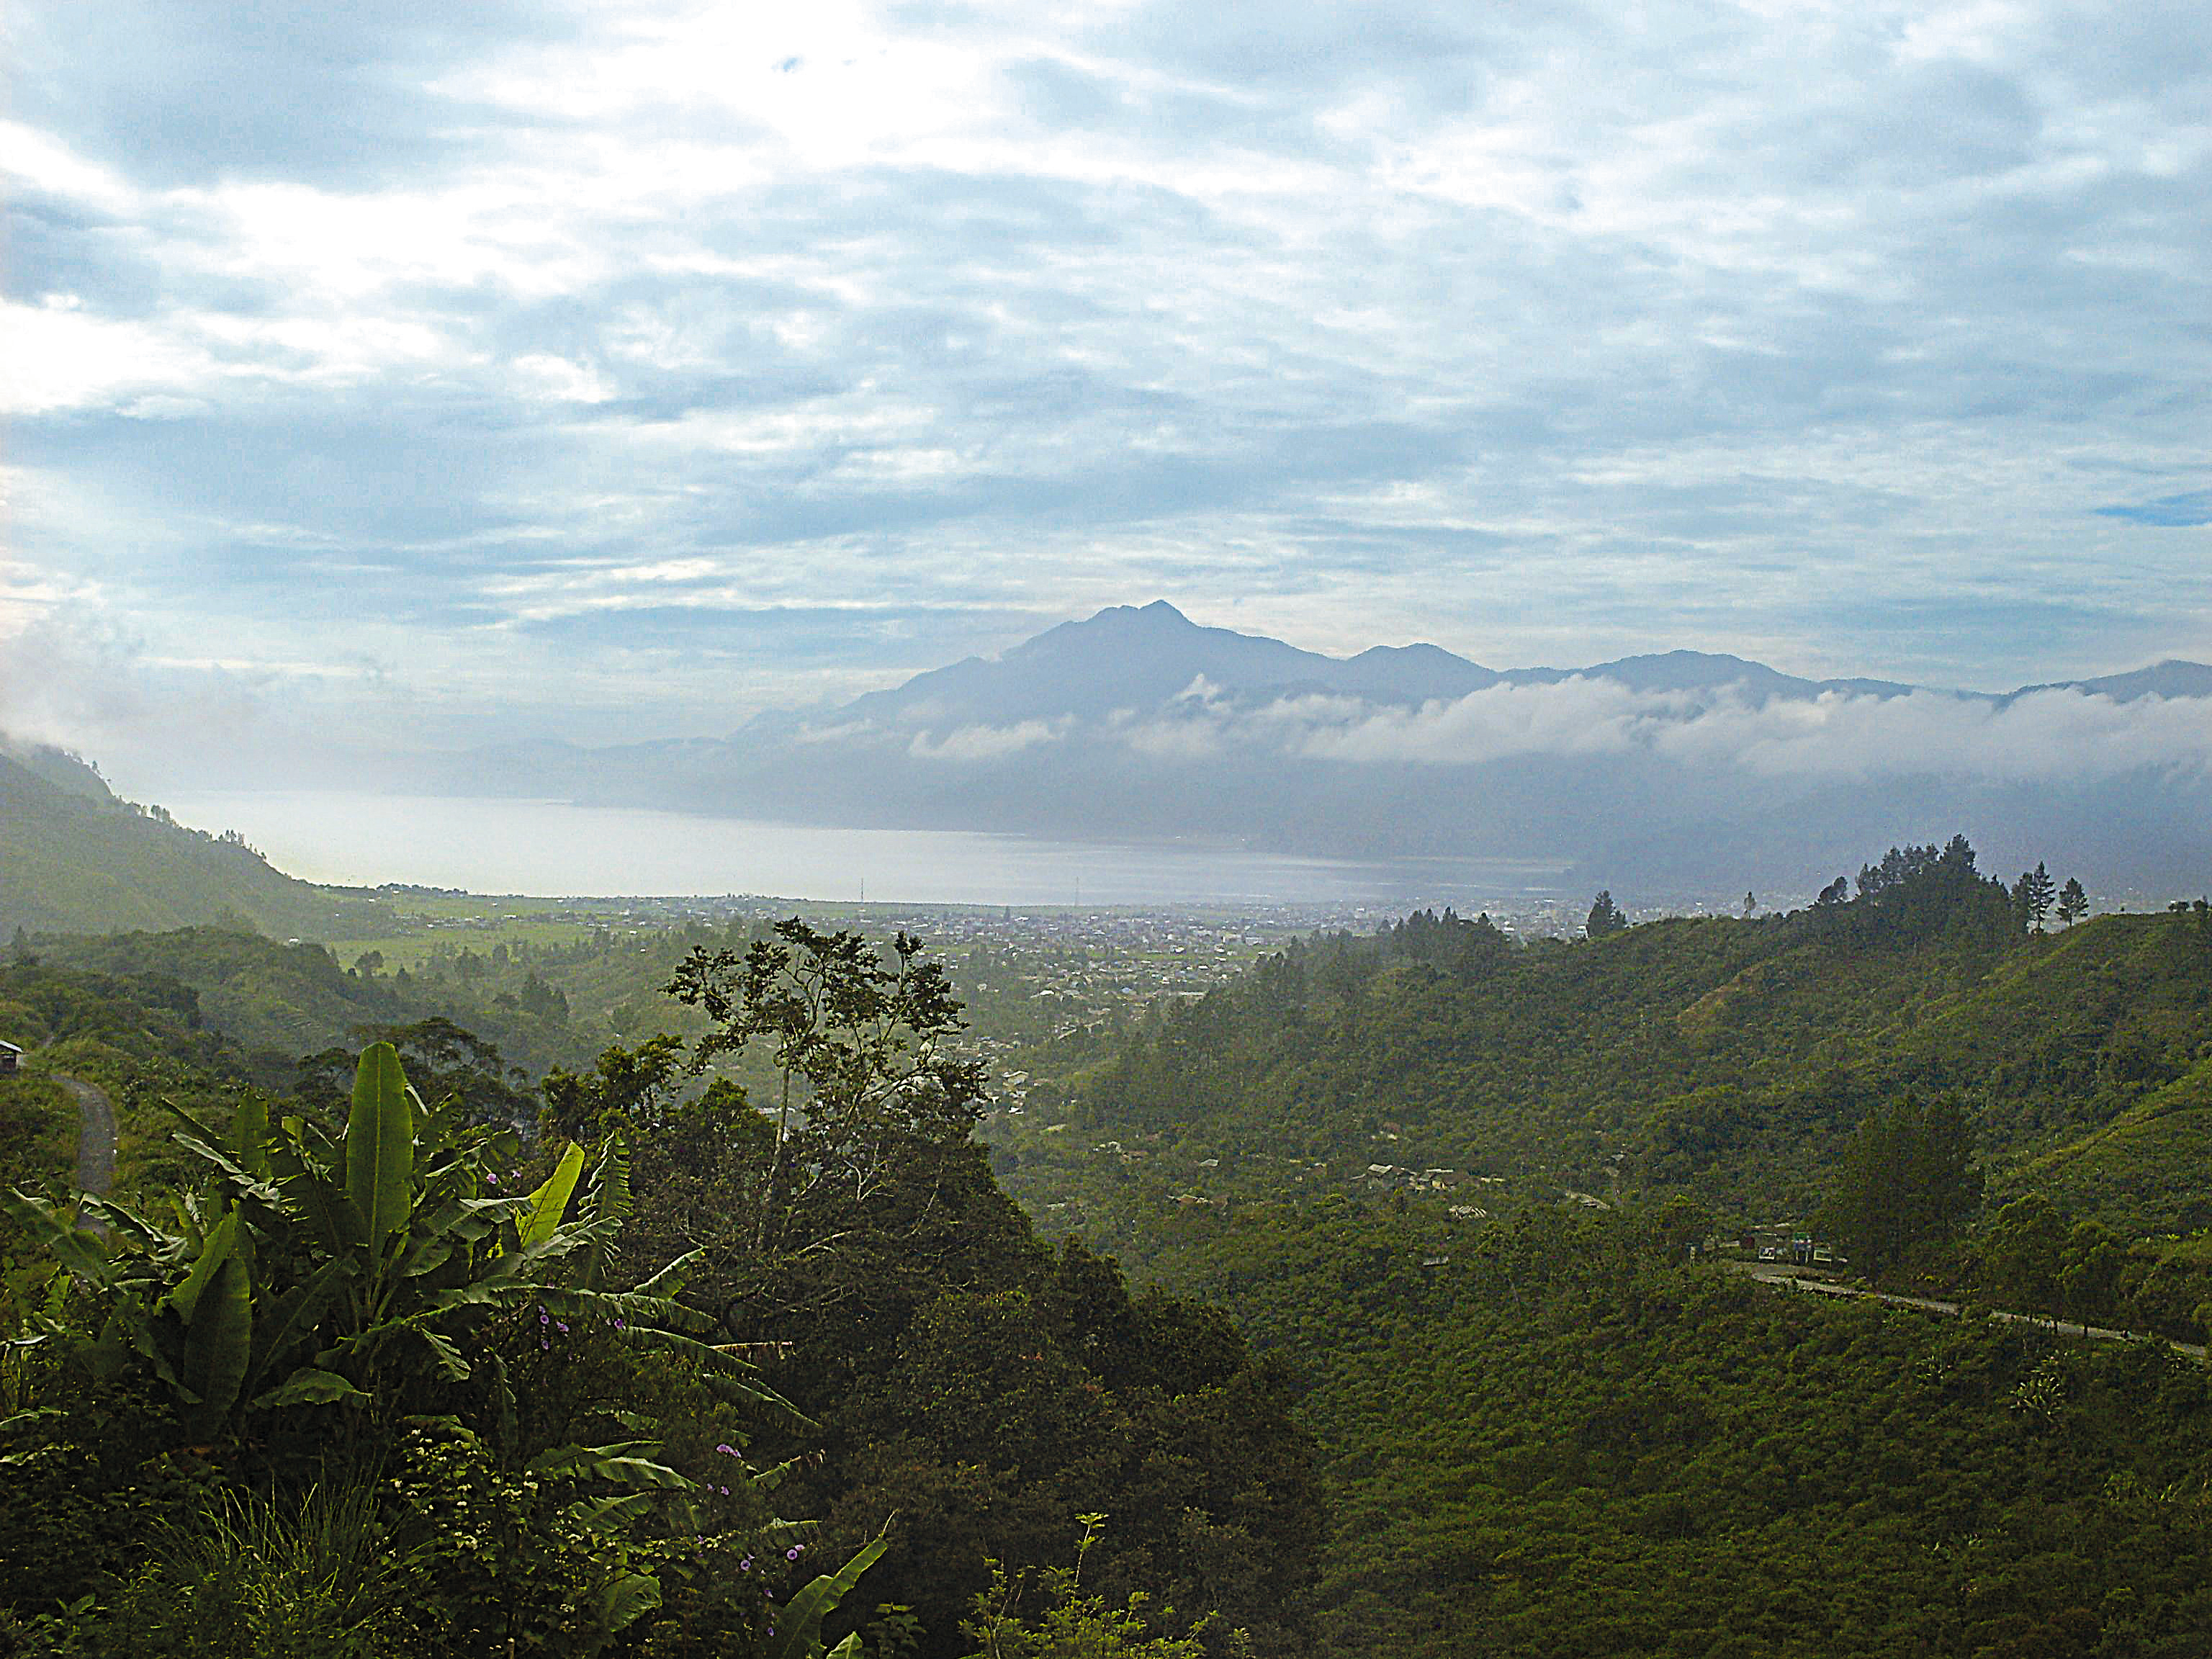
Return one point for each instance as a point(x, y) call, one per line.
point(219, 1342)
point(306, 1386)
point(550, 1202)
point(81, 1250)
point(625, 1599)
point(617, 1461)
point(379, 1146)
point(215, 1248)
point(294, 1320)
point(249, 1135)
point(610, 1204)
point(799, 1626)
point(247, 1184)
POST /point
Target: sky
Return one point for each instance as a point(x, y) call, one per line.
point(436, 375)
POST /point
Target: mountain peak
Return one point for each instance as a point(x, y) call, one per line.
point(1159, 614)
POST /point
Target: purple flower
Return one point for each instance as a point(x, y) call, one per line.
point(727, 1449)
point(725, 1492)
point(544, 1318)
point(562, 1325)
point(619, 1324)
point(544, 1342)
point(791, 1554)
point(746, 1566)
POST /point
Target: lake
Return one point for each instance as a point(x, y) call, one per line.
point(553, 848)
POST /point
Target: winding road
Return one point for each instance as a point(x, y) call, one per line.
point(1783, 1278)
point(95, 1134)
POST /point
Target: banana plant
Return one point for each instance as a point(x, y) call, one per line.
point(322, 1269)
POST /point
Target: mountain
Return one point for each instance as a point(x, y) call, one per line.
point(1132, 657)
point(75, 858)
point(2170, 678)
point(1679, 776)
point(1138, 657)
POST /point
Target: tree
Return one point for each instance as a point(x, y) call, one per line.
point(441, 1060)
point(1907, 1178)
point(861, 1050)
point(2032, 896)
point(2023, 1254)
point(2073, 902)
point(1605, 917)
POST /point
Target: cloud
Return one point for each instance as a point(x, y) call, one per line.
point(985, 742)
point(1830, 336)
point(2044, 736)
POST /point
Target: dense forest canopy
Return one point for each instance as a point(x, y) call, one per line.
point(1446, 1332)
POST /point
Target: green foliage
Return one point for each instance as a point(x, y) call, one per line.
point(73, 857)
point(366, 1298)
point(984, 1388)
point(1731, 1059)
point(1907, 1180)
point(1072, 1625)
point(374, 1253)
point(445, 1061)
point(861, 1048)
point(277, 1000)
point(1559, 1440)
point(279, 1580)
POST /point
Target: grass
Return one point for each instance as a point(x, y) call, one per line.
point(417, 926)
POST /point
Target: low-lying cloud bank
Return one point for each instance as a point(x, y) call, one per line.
point(2045, 735)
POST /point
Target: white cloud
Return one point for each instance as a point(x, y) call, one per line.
point(985, 742)
point(2044, 736)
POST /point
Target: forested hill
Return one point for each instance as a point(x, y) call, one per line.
point(1728, 1059)
point(1439, 1411)
point(75, 858)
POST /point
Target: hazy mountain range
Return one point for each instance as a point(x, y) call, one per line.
point(1674, 776)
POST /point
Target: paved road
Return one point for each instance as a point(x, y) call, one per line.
point(95, 1135)
point(1768, 1272)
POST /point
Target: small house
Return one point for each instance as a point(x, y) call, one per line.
point(10, 1058)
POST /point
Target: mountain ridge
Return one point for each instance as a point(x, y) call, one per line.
point(1683, 775)
point(75, 858)
point(1090, 653)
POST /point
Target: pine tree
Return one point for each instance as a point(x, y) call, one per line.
point(1605, 917)
point(2033, 894)
point(2073, 902)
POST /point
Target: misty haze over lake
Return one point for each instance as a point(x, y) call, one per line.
point(510, 846)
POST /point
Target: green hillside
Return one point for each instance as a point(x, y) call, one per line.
point(1467, 1390)
point(75, 858)
point(1726, 1060)
point(279, 1000)
point(2147, 1171)
point(1552, 1438)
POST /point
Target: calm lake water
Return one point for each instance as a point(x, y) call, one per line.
point(551, 848)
